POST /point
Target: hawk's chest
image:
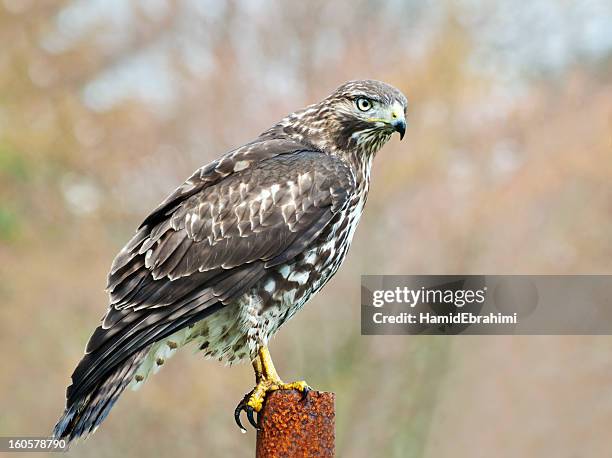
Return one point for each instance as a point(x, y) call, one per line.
point(331, 247)
point(291, 285)
point(336, 243)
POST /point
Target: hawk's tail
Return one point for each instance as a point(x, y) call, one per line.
point(85, 413)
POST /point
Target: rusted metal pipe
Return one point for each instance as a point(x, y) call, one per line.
point(290, 426)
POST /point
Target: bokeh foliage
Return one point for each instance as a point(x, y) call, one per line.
point(106, 106)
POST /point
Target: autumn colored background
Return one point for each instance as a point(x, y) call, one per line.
point(106, 106)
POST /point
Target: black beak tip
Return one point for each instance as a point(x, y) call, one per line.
point(400, 127)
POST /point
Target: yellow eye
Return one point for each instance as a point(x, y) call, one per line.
point(363, 104)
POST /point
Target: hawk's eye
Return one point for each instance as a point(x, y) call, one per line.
point(363, 104)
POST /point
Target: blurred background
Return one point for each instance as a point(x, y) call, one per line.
point(107, 105)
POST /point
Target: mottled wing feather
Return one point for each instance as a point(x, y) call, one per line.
point(283, 200)
point(263, 224)
point(239, 159)
point(209, 242)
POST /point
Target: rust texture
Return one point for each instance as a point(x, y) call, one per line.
point(292, 427)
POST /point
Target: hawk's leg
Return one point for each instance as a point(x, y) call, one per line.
point(267, 380)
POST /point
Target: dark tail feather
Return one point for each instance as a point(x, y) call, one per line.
point(85, 413)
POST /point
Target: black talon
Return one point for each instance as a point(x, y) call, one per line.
point(239, 408)
point(249, 412)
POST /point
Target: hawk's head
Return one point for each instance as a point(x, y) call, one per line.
point(359, 116)
point(366, 109)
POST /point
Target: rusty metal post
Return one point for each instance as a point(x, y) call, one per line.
point(292, 427)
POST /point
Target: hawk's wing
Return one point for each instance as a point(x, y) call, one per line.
point(209, 242)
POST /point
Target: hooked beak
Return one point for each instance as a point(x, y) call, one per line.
point(398, 119)
point(399, 125)
point(395, 117)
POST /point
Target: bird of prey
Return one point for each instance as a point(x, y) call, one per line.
point(236, 251)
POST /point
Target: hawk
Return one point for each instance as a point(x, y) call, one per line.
point(236, 251)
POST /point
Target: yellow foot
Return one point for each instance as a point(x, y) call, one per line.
point(300, 386)
point(267, 380)
point(254, 401)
